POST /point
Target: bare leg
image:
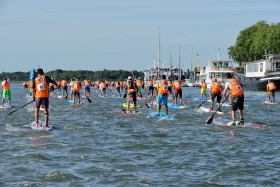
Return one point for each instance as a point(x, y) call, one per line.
point(36, 116)
point(241, 114)
point(158, 108)
point(233, 116)
point(46, 116)
point(166, 109)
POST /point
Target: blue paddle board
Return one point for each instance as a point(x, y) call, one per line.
point(116, 96)
point(41, 126)
point(71, 101)
point(162, 116)
point(177, 106)
point(198, 99)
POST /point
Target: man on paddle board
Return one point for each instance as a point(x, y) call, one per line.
point(177, 87)
point(131, 93)
point(77, 88)
point(237, 97)
point(162, 94)
point(6, 91)
point(41, 95)
point(270, 87)
point(64, 87)
point(215, 91)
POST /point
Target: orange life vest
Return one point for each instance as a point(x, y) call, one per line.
point(271, 86)
point(177, 85)
point(216, 88)
point(163, 88)
point(41, 87)
point(77, 86)
point(203, 85)
point(5, 85)
point(63, 83)
point(236, 88)
point(102, 85)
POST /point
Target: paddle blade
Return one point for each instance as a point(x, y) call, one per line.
point(89, 100)
point(209, 121)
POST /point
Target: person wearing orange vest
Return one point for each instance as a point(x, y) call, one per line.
point(203, 90)
point(58, 86)
point(170, 84)
point(41, 95)
point(64, 87)
point(237, 97)
point(6, 91)
point(215, 91)
point(87, 86)
point(270, 87)
point(77, 88)
point(102, 88)
point(162, 94)
point(177, 87)
point(131, 89)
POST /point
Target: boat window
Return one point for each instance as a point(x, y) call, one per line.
point(226, 64)
point(277, 66)
point(214, 64)
point(261, 67)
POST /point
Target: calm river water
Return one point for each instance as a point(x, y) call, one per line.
point(93, 146)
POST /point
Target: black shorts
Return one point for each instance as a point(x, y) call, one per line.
point(237, 102)
point(64, 88)
point(77, 93)
point(218, 95)
point(42, 101)
point(179, 92)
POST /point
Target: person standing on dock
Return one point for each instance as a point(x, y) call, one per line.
point(270, 87)
point(237, 97)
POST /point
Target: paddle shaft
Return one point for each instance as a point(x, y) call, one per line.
point(202, 103)
point(20, 107)
point(209, 121)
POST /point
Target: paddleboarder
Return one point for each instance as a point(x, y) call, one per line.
point(41, 95)
point(237, 97)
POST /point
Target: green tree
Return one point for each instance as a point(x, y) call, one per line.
point(253, 41)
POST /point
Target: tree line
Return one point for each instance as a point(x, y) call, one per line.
point(254, 41)
point(60, 74)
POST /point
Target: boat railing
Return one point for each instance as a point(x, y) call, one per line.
point(217, 68)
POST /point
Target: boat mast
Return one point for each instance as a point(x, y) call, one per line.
point(179, 62)
point(158, 53)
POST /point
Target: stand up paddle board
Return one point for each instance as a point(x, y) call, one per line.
point(41, 126)
point(116, 96)
point(246, 124)
point(270, 103)
point(5, 107)
point(199, 99)
point(131, 105)
point(120, 111)
point(203, 109)
point(162, 116)
point(177, 106)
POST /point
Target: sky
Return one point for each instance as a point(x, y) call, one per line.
point(123, 34)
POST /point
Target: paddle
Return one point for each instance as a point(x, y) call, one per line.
point(209, 121)
point(146, 103)
point(203, 103)
point(89, 100)
point(20, 107)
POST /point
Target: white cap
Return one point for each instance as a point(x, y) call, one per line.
point(129, 78)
